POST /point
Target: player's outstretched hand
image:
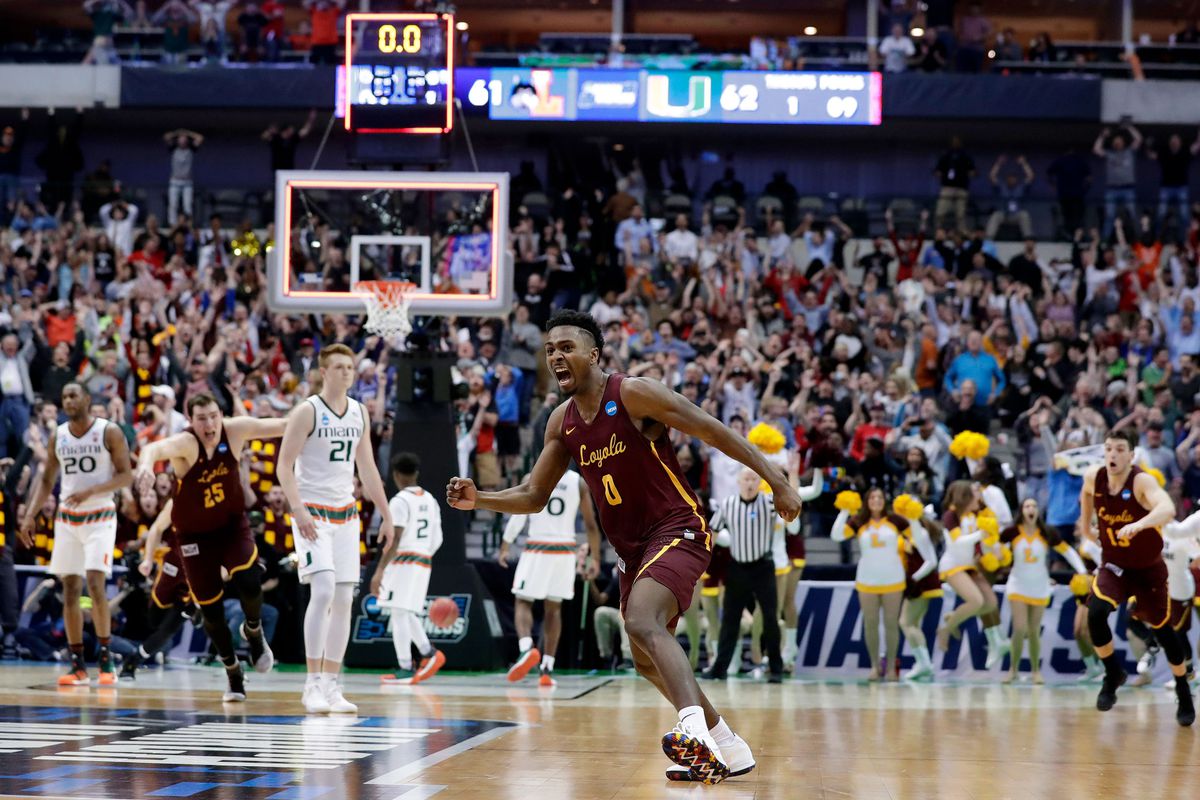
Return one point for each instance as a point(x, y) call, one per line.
point(25, 532)
point(146, 567)
point(787, 501)
point(502, 556)
point(460, 494)
point(304, 523)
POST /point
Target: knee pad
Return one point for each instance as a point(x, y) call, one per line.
point(1098, 611)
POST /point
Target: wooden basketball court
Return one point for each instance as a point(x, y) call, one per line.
point(590, 738)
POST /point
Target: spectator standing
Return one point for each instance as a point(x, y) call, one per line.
point(632, 232)
point(1071, 175)
point(253, 22)
point(1010, 194)
point(1007, 47)
point(1119, 151)
point(106, 15)
point(324, 15)
point(284, 141)
point(979, 368)
point(17, 391)
point(12, 139)
point(931, 52)
point(897, 49)
point(213, 14)
point(1174, 163)
point(954, 170)
point(273, 34)
point(61, 159)
point(174, 18)
point(973, 32)
point(182, 145)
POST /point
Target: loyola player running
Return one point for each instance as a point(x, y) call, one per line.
point(326, 437)
point(401, 579)
point(93, 459)
point(546, 570)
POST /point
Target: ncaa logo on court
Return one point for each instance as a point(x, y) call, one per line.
point(610, 408)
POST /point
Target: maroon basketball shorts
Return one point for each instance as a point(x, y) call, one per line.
point(203, 555)
point(675, 560)
point(794, 543)
point(1116, 585)
point(170, 586)
point(714, 575)
point(1180, 615)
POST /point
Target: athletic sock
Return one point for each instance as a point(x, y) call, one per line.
point(408, 665)
point(254, 627)
point(328, 678)
point(1182, 684)
point(990, 633)
point(231, 664)
point(526, 644)
point(721, 732)
point(692, 719)
point(548, 663)
point(312, 679)
point(1112, 664)
point(922, 656)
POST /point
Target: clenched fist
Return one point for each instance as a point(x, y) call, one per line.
point(460, 494)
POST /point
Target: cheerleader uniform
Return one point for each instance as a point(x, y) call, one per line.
point(962, 534)
point(880, 542)
point(1181, 584)
point(1029, 580)
point(921, 577)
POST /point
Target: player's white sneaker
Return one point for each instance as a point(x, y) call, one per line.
point(1092, 670)
point(919, 672)
point(997, 653)
point(314, 699)
point(337, 703)
point(695, 748)
point(737, 755)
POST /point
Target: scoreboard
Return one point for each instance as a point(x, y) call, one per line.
point(399, 73)
point(690, 96)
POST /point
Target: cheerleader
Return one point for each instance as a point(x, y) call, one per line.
point(880, 575)
point(957, 565)
point(990, 477)
point(1081, 587)
point(922, 584)
point(1028, 587)
point(1181, 548)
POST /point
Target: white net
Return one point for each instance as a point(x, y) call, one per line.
point(387, 308)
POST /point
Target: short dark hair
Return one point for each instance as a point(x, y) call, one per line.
point(406, 463)
point(199, 401)
point(577, 319)
point(1127, 434)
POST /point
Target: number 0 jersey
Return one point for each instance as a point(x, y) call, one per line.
point(84, 461)
point(325, 468)
point(555, 522)
point(636, 484)
point(417, 512)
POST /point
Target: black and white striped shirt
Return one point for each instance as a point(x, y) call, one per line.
point(751, 525)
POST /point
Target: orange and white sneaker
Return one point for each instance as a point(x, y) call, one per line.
point(429, 666)
point(108, 678)
point(76, 677)
point(528, 660)
point(546, 679)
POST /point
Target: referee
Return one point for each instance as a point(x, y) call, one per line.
point(747, 519)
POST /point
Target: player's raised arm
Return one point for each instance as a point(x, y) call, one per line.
point(529, 496)
point(41, 490)
point(368, 474)
point(1153, 497)
point(181, 445)
point(297, 426)
point(647, 399)
point(118, 450)
point(243, 429)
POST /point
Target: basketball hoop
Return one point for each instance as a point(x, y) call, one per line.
point(387, 307)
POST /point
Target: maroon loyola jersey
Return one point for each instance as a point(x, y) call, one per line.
point(636, 484)
point(209, 498)
point(1115, 511)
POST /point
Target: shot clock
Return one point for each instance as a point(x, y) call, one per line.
point(399, 74)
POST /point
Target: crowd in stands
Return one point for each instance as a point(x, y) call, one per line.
point(869, 356)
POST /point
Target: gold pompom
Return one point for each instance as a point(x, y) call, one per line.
point(1081, 584)
point(908, 507)
point(766, 438)
point(1006, 556)
point(989, 562)
point(848, 501)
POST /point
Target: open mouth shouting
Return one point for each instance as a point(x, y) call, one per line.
point(563, 375)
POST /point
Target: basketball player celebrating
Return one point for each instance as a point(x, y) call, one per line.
point(170, 597)
point(327, 436)
point(1131, 509)
point(91, 460)
point(401, 579)
point(616, 429)
point(211, 529)
point(546, 569)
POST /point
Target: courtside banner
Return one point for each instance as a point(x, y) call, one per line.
point(829, 632)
